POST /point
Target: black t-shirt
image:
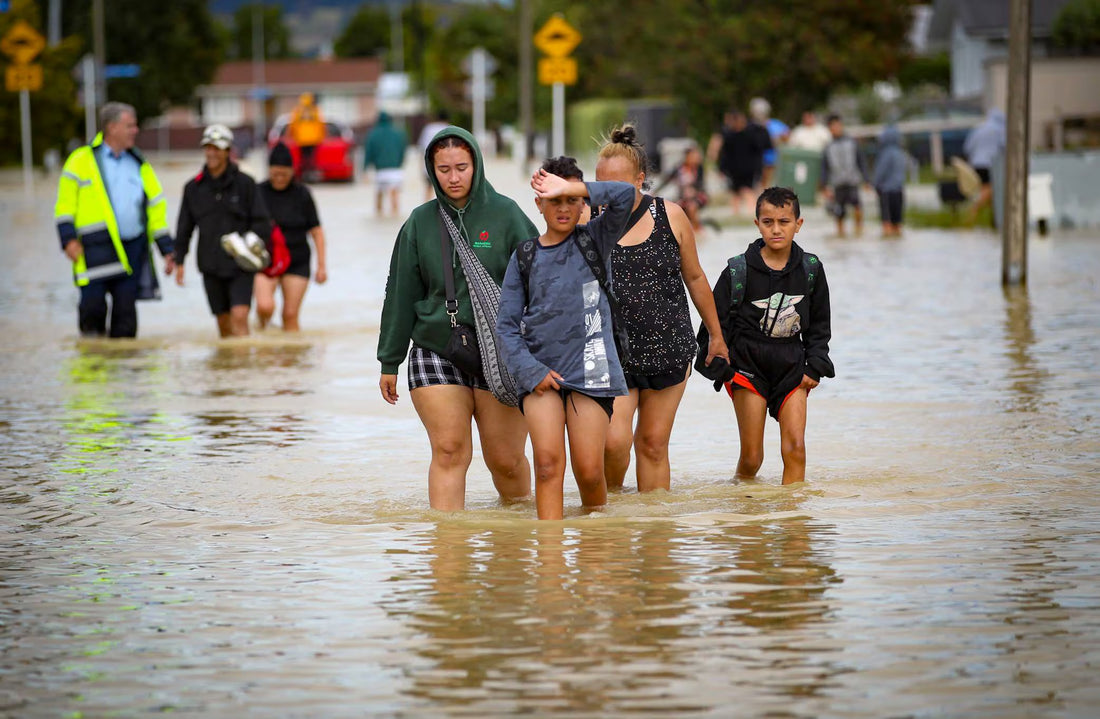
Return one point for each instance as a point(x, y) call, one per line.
point(294, 211)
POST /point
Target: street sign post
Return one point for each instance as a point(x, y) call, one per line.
point(22, 43)
point(557, 38)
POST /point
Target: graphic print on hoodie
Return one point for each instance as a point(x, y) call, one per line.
point(780, 315)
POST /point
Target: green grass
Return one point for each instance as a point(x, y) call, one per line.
point(946, 218)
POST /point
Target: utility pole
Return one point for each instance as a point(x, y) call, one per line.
point(1017, 145)
point(526, 80)
point(258, 81)
point(99, 49)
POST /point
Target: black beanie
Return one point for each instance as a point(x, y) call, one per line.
point(280, 156)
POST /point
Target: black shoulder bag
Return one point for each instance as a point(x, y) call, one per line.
point(461, 349)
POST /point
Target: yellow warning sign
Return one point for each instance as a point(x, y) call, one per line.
point(23, 77)
point(557, 38)
point(553, 70)
point(22, 43)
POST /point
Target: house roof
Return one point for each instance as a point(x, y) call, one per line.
point(989, 18)
point(312, 73)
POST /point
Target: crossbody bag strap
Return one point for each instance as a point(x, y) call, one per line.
point(448, 271)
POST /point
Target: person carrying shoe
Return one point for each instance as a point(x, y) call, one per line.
point(219, 201)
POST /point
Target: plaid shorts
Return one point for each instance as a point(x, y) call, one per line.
point(426, 368)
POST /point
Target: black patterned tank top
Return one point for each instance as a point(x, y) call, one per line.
point(651, 291)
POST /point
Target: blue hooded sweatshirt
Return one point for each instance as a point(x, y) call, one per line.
point(891, 162)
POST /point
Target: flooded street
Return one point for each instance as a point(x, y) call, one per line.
point(240, 528)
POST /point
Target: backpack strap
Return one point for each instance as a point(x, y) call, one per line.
point(810, 265)
point(525, 256)
point(738, 269)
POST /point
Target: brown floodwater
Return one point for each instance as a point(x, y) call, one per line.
point(240, 528)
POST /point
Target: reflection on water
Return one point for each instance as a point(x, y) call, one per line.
point(602, 620)
point(1025, 376)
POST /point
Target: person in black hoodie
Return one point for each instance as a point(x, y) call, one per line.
point(773, 303)
point(221, 200)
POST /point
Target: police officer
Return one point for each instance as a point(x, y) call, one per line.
point(109, 209)
point(225, 205)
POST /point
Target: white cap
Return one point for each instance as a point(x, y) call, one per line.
point(217, 135)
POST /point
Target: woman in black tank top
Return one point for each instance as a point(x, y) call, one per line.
point(650, 267)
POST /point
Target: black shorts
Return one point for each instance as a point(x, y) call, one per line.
point(738, 181)
point(299, 268)
point(772, 369)
point(427, 369)
point(843, 196)
point(662, 380)
point(222, 293)
point(607, 404)
point(983, 175)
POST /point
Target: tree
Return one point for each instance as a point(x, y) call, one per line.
point(54, 112)
point(715, 54)
point(176, 45)
point(276, 36)
point(1077, 27)
point(367, 33)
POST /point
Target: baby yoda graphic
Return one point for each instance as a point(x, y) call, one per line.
point(780, 315)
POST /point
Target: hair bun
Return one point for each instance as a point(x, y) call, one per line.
point(625, 135)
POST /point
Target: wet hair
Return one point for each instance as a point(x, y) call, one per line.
point(450, 141)
point(564, 167)
point(779, 197)
point(623, 142)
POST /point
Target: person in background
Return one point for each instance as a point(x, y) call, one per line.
point(842, 174)
point(983, 145)
point(110, 209)
point(307, 130)
point(651, 265)
point(738, 151)
point(891, 169)
point(760, 112)
point(293, 210)
point(224, 204)
point(445, 398)
point(385, 151)
point(810, 134)
point(690, 185)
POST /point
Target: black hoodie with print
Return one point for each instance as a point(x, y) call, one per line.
point(775, 307)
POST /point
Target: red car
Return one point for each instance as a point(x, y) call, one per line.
point(334, 158)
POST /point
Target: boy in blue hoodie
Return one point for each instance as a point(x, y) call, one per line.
point(555, 329)
point(891, 165)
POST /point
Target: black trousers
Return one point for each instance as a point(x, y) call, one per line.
point(123, 290)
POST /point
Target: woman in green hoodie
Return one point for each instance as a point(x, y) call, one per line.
point(447, 399)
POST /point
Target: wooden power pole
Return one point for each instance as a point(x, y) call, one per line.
point(1017, 144)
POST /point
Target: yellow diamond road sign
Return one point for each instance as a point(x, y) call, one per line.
point(553, 70)
point(22, 43)
point(557, 38)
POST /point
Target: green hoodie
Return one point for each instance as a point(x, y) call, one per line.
point(491, 223)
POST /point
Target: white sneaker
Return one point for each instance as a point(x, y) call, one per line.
point(240, 251)
point(258, 247)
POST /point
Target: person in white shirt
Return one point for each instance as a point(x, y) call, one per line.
point(810, 135)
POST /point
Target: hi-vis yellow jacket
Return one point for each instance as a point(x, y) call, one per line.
point(83, 212)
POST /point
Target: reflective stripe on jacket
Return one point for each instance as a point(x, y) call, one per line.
point(83, 212)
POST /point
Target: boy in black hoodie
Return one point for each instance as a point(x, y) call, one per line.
point(773, 303)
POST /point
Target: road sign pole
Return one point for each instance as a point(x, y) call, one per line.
point(477, 82)
point(25, 122)
point(89, 70)
point(558, 147)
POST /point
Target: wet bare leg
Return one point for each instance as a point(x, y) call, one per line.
point(620, 439)
point(503, 433)
point(752, 411)
point(656, 414)
point(446, 411)
point(792, 430)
